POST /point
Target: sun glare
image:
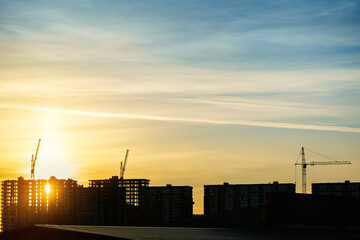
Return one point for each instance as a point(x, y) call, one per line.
point(52, 160)
point(47, 188)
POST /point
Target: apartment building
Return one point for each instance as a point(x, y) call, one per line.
point(25, 202)
point(345, 189)
point(111, 201)
point(167, 204)
point(231, 197)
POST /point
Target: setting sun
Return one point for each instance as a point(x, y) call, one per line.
point(51, 160)
point(47, 188)
point(199, 92)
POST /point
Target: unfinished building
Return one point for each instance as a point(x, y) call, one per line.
point(111, 201)
point(25, 202)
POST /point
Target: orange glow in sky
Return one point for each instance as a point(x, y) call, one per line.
point(199, 93)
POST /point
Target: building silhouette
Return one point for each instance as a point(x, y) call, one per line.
point(231, 197)
point(345, 189)
point(116, 201)
point(312, 210)
point(26, 202)
point(110, 201)
point(167, 204)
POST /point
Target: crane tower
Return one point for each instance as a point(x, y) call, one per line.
point(304, 165)
point(122, 167)
point(33, 161)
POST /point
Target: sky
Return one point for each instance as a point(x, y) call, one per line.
point(200, 92)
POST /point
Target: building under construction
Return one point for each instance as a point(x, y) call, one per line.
point(112, 201)
point(25, 202)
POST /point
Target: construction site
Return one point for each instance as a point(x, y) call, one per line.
point(120, 201)
point(113, 201)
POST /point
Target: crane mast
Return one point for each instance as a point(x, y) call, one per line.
point(122, 167)
point(304, 165)
point(33, 161)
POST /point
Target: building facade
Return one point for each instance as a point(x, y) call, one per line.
point(167, 204)
point(231, 197)
point(25, 202)
point(345, 189)
point(111, 201)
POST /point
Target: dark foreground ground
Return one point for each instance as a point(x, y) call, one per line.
point(69, 232)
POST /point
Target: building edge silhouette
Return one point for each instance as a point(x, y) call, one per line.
point(133, 202)
point(110, 201)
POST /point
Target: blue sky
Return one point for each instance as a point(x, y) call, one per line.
point(233, 34)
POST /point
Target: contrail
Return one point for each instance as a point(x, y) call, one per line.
point(190, 120)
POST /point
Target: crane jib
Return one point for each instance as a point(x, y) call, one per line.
point(304, 165)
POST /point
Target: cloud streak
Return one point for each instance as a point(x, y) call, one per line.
point(185, 120)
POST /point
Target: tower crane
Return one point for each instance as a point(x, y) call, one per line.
point(122, 167)
point(33, 161)
point(304, 165)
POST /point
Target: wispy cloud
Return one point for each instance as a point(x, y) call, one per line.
point(189, 120)
point(239, 35)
